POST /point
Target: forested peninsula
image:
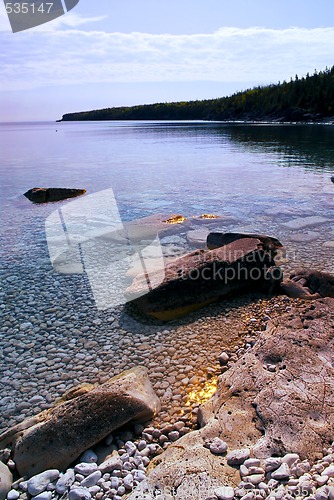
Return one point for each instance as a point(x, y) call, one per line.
point(309, 98)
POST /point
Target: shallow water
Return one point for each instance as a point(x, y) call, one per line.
point(263, 176)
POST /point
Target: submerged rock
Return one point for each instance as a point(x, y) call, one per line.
point(59, 436)
point(308, 284)
point(204, 276)
point(45, 195)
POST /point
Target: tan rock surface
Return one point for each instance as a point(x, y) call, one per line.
point(277, 398)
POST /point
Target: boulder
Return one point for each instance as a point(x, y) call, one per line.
point(216, 240)
point(288, 409)
point(55, 438)
point(45, 195)
point(332, 178)
point(308, 284)
point(6, 481)
point(204, 276)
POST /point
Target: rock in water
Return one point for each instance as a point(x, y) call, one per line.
point(308, 284)
point(6, 480)
point(216, 240)
point(204, 276)
point(55, 438)
point(332, 178)
point(44, 195)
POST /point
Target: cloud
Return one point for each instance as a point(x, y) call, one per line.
point(56, 56)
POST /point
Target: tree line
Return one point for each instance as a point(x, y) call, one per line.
point(310, 98)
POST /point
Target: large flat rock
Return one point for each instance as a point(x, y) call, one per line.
point(202, 277)
point(277, 398)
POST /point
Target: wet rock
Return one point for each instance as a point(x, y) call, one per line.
point(72, 427)
point(216, 240)
point(45, 195)
point(309, 284)
point(203, 276)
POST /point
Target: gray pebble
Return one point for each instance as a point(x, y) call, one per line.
point(283, 472)
point(237, 457)
point(218, 446)
point(65, 482)
point(92, 479)
point(37, 484)
point(85, 468)
point(79, 493)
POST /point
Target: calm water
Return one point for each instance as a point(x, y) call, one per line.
point(263, 175)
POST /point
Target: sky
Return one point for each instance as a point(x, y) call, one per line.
point(106, 53)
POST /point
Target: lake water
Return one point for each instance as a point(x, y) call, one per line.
point(265, 176)
point(272, 179)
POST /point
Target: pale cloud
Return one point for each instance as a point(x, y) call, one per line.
point(56, 56)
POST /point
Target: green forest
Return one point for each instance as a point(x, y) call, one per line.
point(309, 98)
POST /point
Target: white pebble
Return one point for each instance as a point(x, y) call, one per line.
point(224, 493)
point(329, 471)
point(85, 468)
point(290, 458)
point(13, 495)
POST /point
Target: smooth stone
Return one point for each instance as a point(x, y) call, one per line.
point(79, 493)
point(290, 458)
point(128, 482)
point(252, 462)
point(237, 457)
point(65, 481)
point(111, 464)
point(92, 479)
point(6, 480)
point(88, 456)
point(37, 484)
point(283, 472)
point(255, 478)
point(13, 495)
point(304, 237)
point(302, 222)
point(85, 468)
point(46, 495)
point(224, 493)
point(328, 244)
point(130, 448)
point(218, 446)
point(329, 471)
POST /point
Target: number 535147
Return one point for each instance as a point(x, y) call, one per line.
point(28, 8)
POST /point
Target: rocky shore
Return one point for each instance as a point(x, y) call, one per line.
point(123, 462)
